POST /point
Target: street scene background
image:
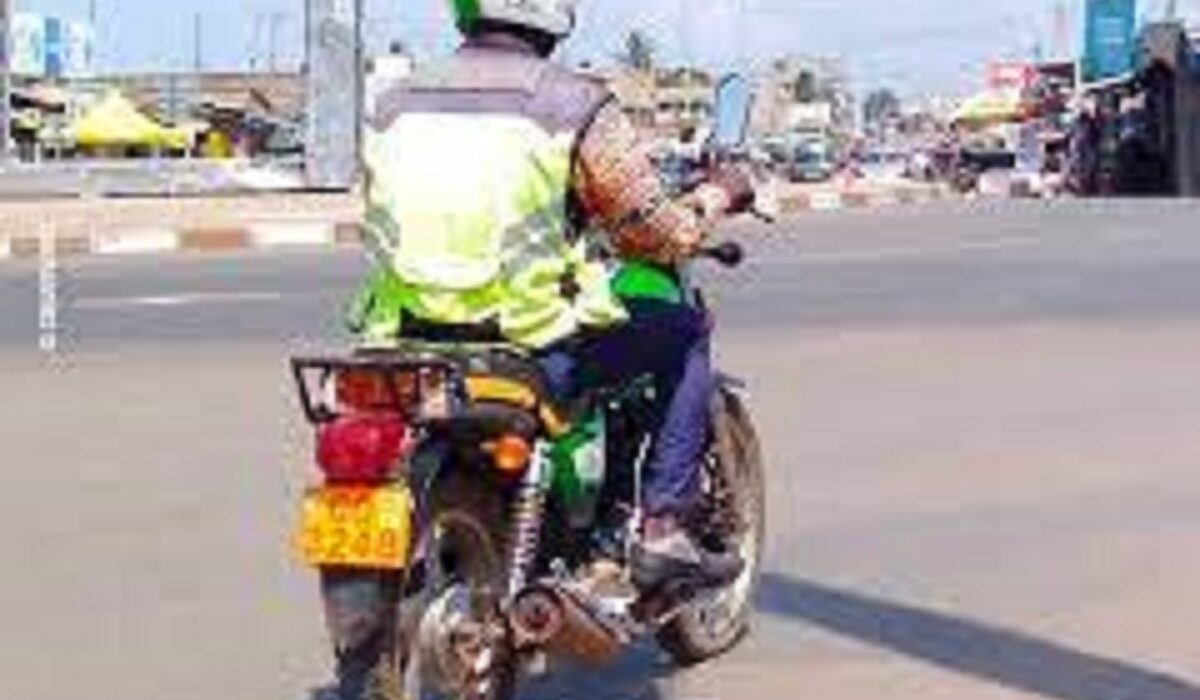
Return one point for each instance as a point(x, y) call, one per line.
point(969, 338)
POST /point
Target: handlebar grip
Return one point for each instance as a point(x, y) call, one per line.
point(728, 254)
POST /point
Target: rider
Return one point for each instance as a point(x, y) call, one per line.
point(494, 179)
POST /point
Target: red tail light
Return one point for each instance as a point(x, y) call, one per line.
point(373, 391)
point(361, 448)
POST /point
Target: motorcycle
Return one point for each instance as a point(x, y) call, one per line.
point(471, 526)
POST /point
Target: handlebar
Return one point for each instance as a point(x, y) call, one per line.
point(728, 254)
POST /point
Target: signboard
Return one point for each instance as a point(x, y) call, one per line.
point(29, 44)
point(1020, 77)
point(1109, 39)
point(55, 45)
point(50, 46)
point(79, 52)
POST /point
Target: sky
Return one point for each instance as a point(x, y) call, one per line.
point(914, 46)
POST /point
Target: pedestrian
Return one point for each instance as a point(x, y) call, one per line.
point(1083, 152)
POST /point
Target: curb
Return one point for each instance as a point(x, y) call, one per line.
point(839, 200)
point(149, 241)
point(315, 232)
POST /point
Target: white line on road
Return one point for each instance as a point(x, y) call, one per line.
point(174, 300)
point(144, 241)
point(294, 233)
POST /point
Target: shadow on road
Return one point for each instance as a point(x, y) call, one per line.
point(634, 676)
point(1006, 657)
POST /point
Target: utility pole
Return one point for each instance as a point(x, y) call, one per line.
point(197, 43)
point(334, 60)
point(5, 80)
point(93, 59)
point(274, 19)
point(254, 45)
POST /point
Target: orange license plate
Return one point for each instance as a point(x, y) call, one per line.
point(356, 527)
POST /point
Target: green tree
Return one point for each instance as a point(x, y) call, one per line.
point(805, 88)
point(881, 105)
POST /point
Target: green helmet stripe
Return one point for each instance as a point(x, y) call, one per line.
point(466, 13)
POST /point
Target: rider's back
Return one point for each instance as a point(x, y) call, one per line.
point(470, 200)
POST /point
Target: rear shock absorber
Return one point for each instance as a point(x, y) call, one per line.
point(528, 511)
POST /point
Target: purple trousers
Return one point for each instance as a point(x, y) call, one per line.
point(671, 343)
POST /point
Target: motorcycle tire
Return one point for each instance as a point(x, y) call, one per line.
point(710, 628)
point(378, 667)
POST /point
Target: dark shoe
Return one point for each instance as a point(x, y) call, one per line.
point(667, 555)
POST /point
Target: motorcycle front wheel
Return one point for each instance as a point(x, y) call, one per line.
point(736, 485)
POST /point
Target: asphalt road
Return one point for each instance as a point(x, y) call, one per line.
point(980, 424)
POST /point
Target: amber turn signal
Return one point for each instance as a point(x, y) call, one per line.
point(510, 453)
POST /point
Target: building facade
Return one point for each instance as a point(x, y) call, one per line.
point(664, 103)
point(808, 94)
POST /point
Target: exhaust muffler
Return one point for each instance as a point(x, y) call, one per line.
point(555, 620)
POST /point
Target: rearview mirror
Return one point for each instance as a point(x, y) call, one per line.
point(734, 99)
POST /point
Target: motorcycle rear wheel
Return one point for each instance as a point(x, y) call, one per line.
point(463, 574)
point(721, 619)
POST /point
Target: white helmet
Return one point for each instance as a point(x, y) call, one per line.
point(555, 18)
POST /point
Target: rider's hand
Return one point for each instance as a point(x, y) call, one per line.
point(738, 186)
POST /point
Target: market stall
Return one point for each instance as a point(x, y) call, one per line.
point(116, 124)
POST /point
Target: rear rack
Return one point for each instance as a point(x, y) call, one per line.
point(311, 374)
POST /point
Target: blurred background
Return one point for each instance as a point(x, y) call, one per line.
point(1043, 97)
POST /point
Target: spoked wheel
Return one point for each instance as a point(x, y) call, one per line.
point(457, 641)
point(736, 489)
point(445, 640)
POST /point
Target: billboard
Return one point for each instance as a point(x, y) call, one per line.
point(79, 52)
point(50, 46)
point(28, 44)
point(1109, 39)
point(53, 36)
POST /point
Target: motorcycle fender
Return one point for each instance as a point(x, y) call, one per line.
point(728, 401)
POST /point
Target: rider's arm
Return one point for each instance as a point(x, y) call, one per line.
point(622, 193)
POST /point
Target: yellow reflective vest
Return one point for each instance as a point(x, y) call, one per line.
point(469, 201)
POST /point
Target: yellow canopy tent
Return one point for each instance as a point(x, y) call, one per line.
point(114, 121)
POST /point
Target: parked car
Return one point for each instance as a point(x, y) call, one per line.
point(810, 161)
point(883, 164)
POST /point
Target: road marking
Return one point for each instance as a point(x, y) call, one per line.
point(175, 300)
point(295, 233)
point(137, 241)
